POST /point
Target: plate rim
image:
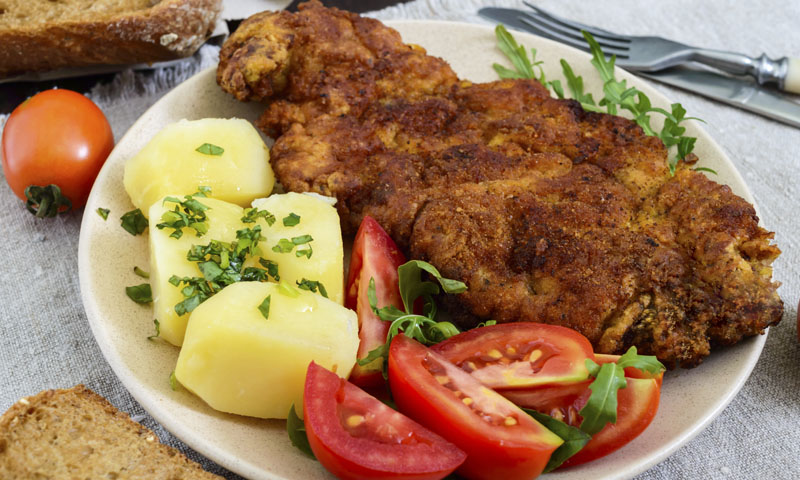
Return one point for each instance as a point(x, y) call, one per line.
point(149, 400)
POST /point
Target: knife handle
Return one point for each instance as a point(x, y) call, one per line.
point(791, 82)
point(785, 71)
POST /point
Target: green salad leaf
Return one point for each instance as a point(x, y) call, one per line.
point(297, 433)
point(617, 96)
point(574, 439)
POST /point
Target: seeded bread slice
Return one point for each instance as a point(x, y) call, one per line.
point(77, 434)
point(39, 35)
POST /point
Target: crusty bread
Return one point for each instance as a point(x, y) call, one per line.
point(38, 35)
point(77, 434)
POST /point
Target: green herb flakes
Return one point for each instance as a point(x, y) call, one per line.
point(291, 220)
point(264, 307)
point(173, 382)
point(188, 212)
point(158, 330)
point(134, 222)
point(210, 149)
point(312, 286)
point(103, 212)
point(140, 293)
point(251, 214)
point(140, 272)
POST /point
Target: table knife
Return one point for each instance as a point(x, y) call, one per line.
point(735, 91)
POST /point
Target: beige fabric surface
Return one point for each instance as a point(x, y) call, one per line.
point(45, 340)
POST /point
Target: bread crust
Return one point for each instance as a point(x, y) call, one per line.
point(170, 29)
point(76, 433)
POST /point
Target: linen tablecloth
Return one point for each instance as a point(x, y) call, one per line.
point(45, 340)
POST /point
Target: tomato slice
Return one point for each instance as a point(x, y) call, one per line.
point(376, 256)
point(637, 405)
point(501, 440)
point(520, 355)
point(355, 436)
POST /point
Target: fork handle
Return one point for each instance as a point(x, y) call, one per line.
point(784, 71)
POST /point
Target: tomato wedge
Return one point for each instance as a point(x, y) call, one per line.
point(376, 256)
point(637, 405)
point(501, 440)
point(355, 436)
point(520, 355)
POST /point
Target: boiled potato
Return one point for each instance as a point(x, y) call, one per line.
point(319, 219)
point(240, 362)
point(171, 165)
point(168, 258)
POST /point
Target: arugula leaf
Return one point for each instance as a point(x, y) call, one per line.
point(617, 95)
point(297, 433)
point(134, 222)
point(264, 307)
point(574, 439)
point(210, 149)
point(103, 212)
point(140, 293)
point(645, 363)
point(575, 86)
point(423, 328)
point(601, 408)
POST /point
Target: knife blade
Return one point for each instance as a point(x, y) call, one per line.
point(735, 91)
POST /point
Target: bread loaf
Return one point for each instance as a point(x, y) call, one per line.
point(75, 433)
point(39, 35)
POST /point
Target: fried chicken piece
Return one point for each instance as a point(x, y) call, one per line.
point(549, 213)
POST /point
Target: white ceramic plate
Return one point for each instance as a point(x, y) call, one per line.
point(260, 449)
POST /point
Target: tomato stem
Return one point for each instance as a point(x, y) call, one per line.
point(46, 202)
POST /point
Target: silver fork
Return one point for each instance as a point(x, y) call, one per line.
point(650, 54)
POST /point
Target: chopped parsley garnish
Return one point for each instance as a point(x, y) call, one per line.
point(103, 212)
point(291, 220)
point(617, 95)
point(285, 246)
point(264, 307)
point(312, 286)
point(173, 382)
point(210, 149)
point(158, 330)
point(222, 264)
point(134, 222)
point(251, 214)
point(140, 293)
point(140, 272)
point(188, 212)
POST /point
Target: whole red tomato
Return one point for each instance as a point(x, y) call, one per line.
point(55, 138)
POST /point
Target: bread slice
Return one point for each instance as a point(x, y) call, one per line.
point(38, 35)
point(77, 434)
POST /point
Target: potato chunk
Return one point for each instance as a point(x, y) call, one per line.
point(171, 165)
point(318, 219)
point(168, 258)
point(240, 362)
